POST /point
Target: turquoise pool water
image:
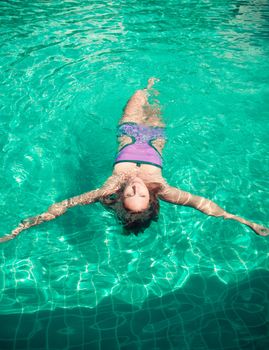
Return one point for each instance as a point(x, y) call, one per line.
point(190, 281)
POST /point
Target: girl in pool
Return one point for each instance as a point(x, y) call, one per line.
point(136, 185)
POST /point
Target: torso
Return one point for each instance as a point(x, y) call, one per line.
point(125, 170)
point(126, 140)
point(146, 172)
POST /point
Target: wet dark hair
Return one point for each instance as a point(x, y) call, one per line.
point(137, 222)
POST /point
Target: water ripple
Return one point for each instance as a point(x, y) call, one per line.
point(67, 69)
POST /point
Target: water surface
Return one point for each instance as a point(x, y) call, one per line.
point(67, 70)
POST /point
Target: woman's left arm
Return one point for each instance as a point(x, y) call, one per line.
point(53, 212)
point(112, 184)
point(206, 206)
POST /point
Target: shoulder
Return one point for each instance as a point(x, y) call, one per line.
point(112, 182)
point(170, 193)
point(157, 184)
point(111, 185)
point(164, 188)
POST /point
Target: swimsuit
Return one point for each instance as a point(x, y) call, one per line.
point(140, 150)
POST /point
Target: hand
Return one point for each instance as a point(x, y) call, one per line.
point(57, 209)
point(260, 230)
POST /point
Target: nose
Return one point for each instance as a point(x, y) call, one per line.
point(134, 188)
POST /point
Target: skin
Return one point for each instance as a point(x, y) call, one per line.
point(136, 195)
point(134, 179)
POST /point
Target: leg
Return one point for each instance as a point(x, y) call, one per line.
point(159, 145)
point(138, 110)
point(152, 112)
point(152, 115)
point(134, 110)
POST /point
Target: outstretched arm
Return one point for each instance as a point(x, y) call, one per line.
point(53, 212)
point(112, 184)
point(206, 206)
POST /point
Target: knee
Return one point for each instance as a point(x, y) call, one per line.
point(141, 96)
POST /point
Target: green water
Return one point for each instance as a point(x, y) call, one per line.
point(67, 70)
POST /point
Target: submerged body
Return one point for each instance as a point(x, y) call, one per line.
point(141, 150)
point(136, 183)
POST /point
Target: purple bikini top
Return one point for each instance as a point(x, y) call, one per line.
point(141, 150)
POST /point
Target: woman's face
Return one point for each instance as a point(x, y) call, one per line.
point(136, 195)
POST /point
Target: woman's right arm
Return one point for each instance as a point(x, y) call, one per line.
point(176, 196)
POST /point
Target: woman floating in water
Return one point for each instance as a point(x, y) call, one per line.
point(136, 185)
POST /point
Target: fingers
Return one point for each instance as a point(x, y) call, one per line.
point(6, 238)
point(13, 234)
point(27, 223)
point(261, 230)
